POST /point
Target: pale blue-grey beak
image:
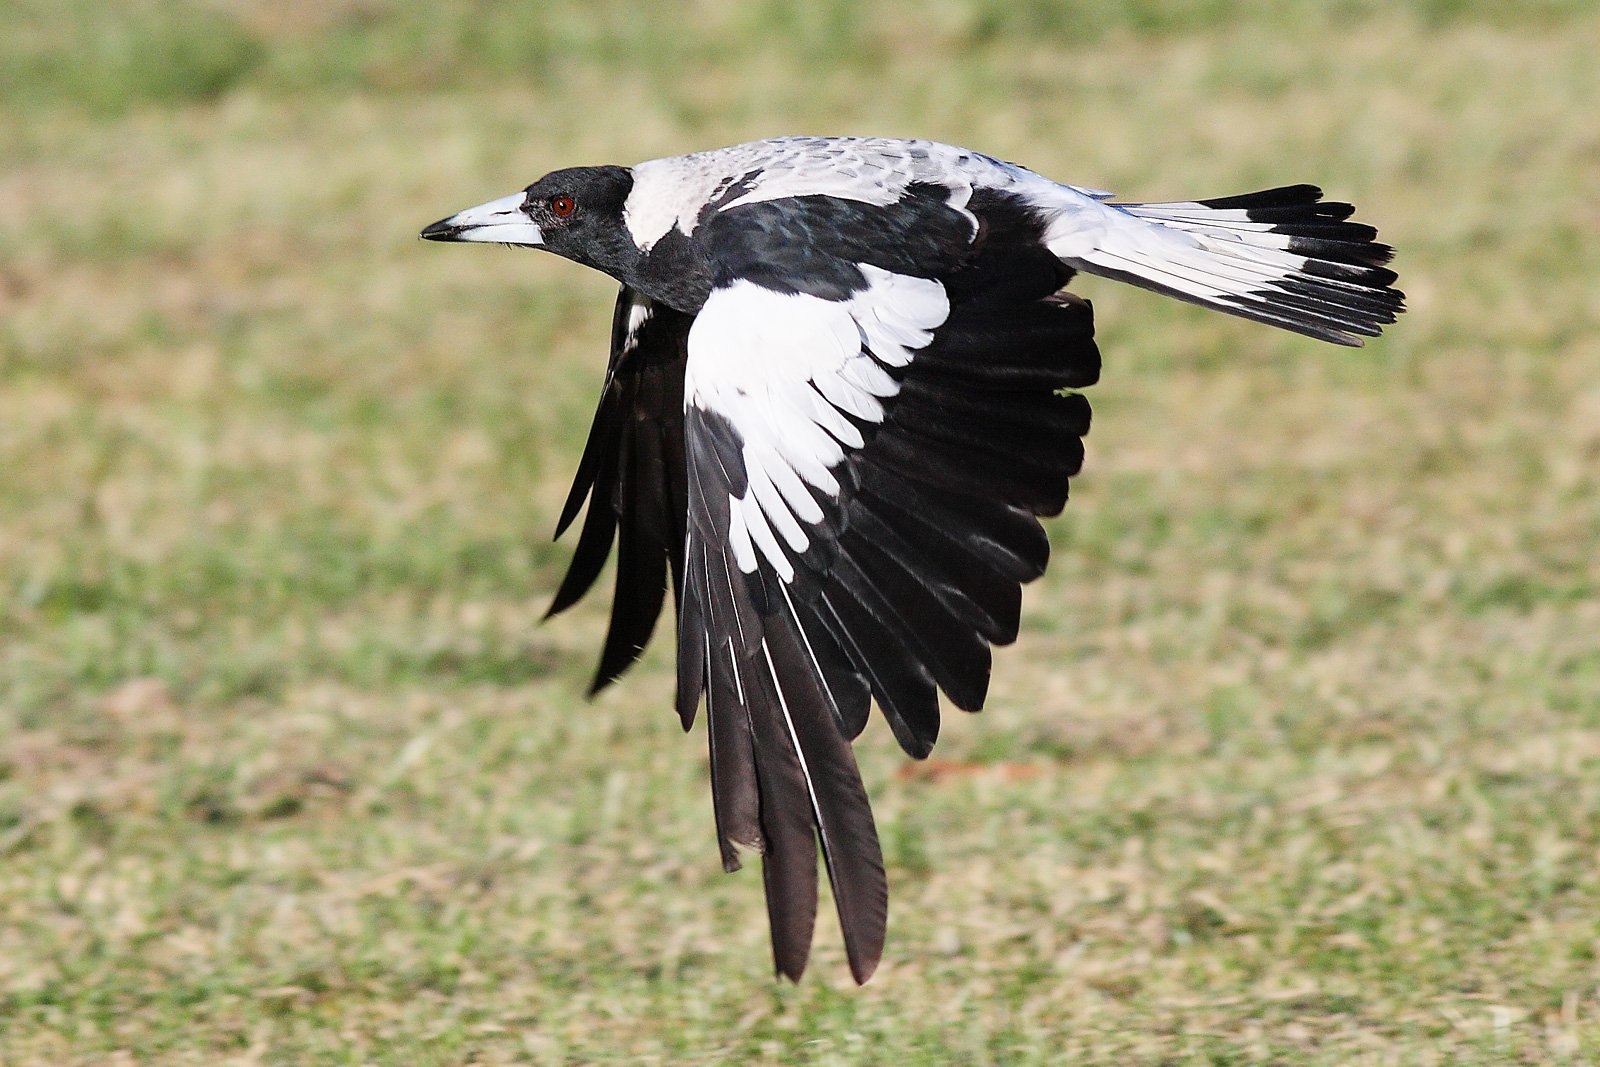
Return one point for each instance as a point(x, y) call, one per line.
point(499, 222)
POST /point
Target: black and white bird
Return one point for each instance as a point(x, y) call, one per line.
point(838, 401)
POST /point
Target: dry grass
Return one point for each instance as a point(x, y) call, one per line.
point(1298, 759)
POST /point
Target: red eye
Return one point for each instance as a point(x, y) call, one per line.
point(562, 206)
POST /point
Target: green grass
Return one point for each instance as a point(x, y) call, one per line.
point(1297, 760)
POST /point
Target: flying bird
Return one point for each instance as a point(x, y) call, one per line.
point(840, 397)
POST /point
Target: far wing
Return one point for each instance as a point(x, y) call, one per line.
point(632, 476)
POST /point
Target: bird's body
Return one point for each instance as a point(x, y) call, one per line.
point(836, 404)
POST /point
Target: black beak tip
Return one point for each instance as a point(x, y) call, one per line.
point(440, 231)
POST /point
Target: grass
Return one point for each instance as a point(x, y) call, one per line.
point(1297, 761)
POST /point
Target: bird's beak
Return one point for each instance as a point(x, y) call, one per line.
point(499, 221)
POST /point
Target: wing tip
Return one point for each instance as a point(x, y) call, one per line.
point(862, 970)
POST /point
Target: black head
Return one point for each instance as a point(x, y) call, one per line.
point(576, 213)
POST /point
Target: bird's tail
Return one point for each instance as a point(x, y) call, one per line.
point(1282, 256)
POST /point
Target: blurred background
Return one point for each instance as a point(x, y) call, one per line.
point(1297, 759)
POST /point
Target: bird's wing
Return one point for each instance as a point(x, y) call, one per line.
point(632, 476)
point(866, 458)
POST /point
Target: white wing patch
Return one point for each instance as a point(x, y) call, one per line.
point(783, 369)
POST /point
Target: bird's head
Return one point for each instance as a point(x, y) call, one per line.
point(575, 213)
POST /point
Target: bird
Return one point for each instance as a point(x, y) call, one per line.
point(843, 389)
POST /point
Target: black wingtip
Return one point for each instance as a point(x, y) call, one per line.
point(791, 888)
point(793, 972)
point(863, 970)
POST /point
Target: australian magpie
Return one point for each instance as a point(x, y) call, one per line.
point(839, 398)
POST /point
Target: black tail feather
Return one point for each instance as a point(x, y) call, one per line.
point(1257, 255)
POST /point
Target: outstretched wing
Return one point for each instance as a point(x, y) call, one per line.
point(872, 422)
point(632, 476)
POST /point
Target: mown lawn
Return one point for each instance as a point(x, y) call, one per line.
point(1297, 760)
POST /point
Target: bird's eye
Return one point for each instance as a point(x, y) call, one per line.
point(562, 206)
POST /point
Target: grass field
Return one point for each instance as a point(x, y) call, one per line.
point(1297, 760)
